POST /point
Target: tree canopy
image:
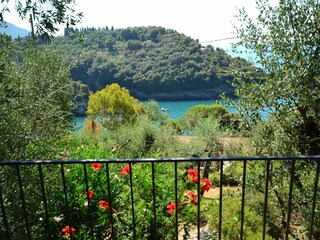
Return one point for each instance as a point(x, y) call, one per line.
point(35, 103)
point(44, 15)
point(285, 38)
point(114, 104)
point(216, 112)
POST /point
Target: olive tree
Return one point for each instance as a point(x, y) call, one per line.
point(285, 83)
point(286, 40)
point(35, 107)
point(43, 15)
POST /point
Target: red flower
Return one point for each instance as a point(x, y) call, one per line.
point(89, 194)
point(193, 175)
point(171, 207)
point(194, 202)
point(193, 198)
point(96, 166)
point(104, 204)
point(125, 170)
point(207, 184)
point(67, 231)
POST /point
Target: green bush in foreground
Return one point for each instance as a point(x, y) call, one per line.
point(36, 110)
point(231, 220)
point(91, 203)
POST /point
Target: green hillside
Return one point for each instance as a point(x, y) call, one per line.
point(152, 62)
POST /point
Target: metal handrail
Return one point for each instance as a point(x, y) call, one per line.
point(39, 163)
point(136, 160)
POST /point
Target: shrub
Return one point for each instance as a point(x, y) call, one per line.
point(208, 130)
point(173, 124)
point(270, 139)
point(133, 140)
point(200, 112)
point(152, 110)
point(36, 109)
point(231, 212)
point(100, 193)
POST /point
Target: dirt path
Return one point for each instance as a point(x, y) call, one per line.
point(213, 193)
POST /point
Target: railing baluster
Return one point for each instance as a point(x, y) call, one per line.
point(132, 203)
point(290, 198)
point(66, 199)
point(176, 197)
point(110, 201)
point(314, 201)
point(154, 202)
point(243, 196)
point(89, 202)
point(23, 201)
point(45, 201)
point(27, 226)
point(266, 194)
point(220, 202)
point(198, 194)
point(5, 220)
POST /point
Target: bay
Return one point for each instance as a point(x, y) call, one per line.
point(177, 109)
point(174, 109)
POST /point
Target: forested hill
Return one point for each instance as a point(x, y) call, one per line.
point(152, 62)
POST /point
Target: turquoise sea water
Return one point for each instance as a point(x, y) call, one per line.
point(175, 109)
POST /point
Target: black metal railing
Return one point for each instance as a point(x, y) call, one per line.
point(27, 196)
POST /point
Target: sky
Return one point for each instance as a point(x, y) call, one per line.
point(205, 20)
